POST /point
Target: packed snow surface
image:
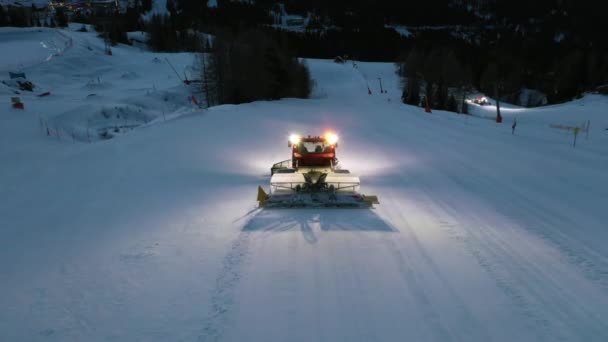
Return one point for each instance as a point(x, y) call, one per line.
point(154, 234)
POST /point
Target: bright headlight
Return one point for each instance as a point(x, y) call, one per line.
point(294, 139)
point(331, 138)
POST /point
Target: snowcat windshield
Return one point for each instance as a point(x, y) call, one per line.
point(314, 147)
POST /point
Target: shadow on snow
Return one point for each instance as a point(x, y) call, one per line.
point(309, 221)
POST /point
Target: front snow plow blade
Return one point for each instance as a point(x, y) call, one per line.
point(262, 196)
point(314, 193)
point(371, 199)
point(323, 199)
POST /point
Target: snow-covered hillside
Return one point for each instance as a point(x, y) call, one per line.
point(154, 235)
point(92, 93)
point(24, 47)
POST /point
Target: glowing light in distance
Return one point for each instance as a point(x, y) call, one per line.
point(295, 139)
point(331, 138)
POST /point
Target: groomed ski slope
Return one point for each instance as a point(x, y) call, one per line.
point(154, 235)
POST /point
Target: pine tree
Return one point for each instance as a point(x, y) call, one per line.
point(409, 71)
point(3, 21)
point(31, 14)
point(17, 17)
point(252, 67)
point(451, 104)
point(208, 75)
point(464, 107)
point(170, 5)
point(276, 73)
point(413, 91)
point(62, 19)
point(428, 96)
point(440, 95)
point(303, 86)
point(570, 73)
point(146, 5)
point(162, 35)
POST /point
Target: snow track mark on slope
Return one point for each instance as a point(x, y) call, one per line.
point(415, 286)
point(545, 222)
point(524, 278)
point(491, 262)
point(223, 294)
point(408, 246)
